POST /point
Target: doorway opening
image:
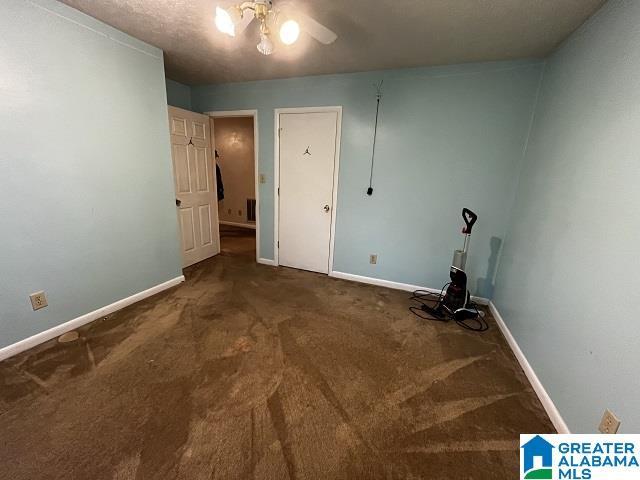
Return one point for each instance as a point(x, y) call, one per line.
point(235, 144)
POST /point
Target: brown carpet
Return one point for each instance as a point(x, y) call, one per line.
point(249, 371)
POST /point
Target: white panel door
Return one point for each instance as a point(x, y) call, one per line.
point(196, 194)
point(307, 151)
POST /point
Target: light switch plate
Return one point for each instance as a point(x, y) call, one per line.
point(373, 259)
point(38, 300)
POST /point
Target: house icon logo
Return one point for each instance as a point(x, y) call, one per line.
point(537, 459)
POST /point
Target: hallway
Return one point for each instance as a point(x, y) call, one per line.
point(238, 242)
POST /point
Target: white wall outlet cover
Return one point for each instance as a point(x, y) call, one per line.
point(609, 423)
point(373, 259)
point(38, 300)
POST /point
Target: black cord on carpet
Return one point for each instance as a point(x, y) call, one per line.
point(477, 324)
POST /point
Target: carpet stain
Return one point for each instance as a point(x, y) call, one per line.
point(252, 372)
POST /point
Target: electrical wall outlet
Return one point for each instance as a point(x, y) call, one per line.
point(609, 423)
point(373, 259)
point(38, 300)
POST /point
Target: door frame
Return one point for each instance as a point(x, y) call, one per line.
point(256, 174)
point(276, 175)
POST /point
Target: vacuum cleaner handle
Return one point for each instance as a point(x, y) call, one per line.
point(470, 219)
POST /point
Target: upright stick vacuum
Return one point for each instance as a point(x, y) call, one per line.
point(454, 300)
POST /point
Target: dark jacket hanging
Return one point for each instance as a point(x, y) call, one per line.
point(219, 182)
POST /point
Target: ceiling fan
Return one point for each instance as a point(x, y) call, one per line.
point(285, 19)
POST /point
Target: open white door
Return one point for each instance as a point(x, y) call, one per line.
point(195, 184)
point(308, 152)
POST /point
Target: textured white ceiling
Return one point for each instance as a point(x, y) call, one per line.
point(372, 34)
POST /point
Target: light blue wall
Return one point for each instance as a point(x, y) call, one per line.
point(86, 206)
point(178, 95)
point(448, 138)
point(568, 279)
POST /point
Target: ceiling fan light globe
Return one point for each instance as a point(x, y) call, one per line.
point(289, 32)
point(265, 46)
point(224, 22)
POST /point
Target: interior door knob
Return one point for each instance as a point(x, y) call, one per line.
point(178, 202)
point(327, 208)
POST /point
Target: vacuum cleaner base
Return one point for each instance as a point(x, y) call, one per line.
point(454, 301)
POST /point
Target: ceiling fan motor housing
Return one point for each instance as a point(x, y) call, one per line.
point(235, 19)
point(261, 9)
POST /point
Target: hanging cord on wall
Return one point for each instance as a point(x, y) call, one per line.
point(375, 134)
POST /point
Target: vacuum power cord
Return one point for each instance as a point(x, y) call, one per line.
point(429, 300)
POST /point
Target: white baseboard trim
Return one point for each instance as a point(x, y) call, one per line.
point(395, 285)
point(542, 394)
point(252, 226)
point(267, 261)
point(38, 338)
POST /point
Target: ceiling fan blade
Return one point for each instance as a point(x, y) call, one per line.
point(247, 18)
point(316, 29)
point(308, 24)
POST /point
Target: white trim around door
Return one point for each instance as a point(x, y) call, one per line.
point(276, 174)
point(256, 171)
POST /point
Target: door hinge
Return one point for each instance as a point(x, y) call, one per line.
point(278, 244)
point(278, 191)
